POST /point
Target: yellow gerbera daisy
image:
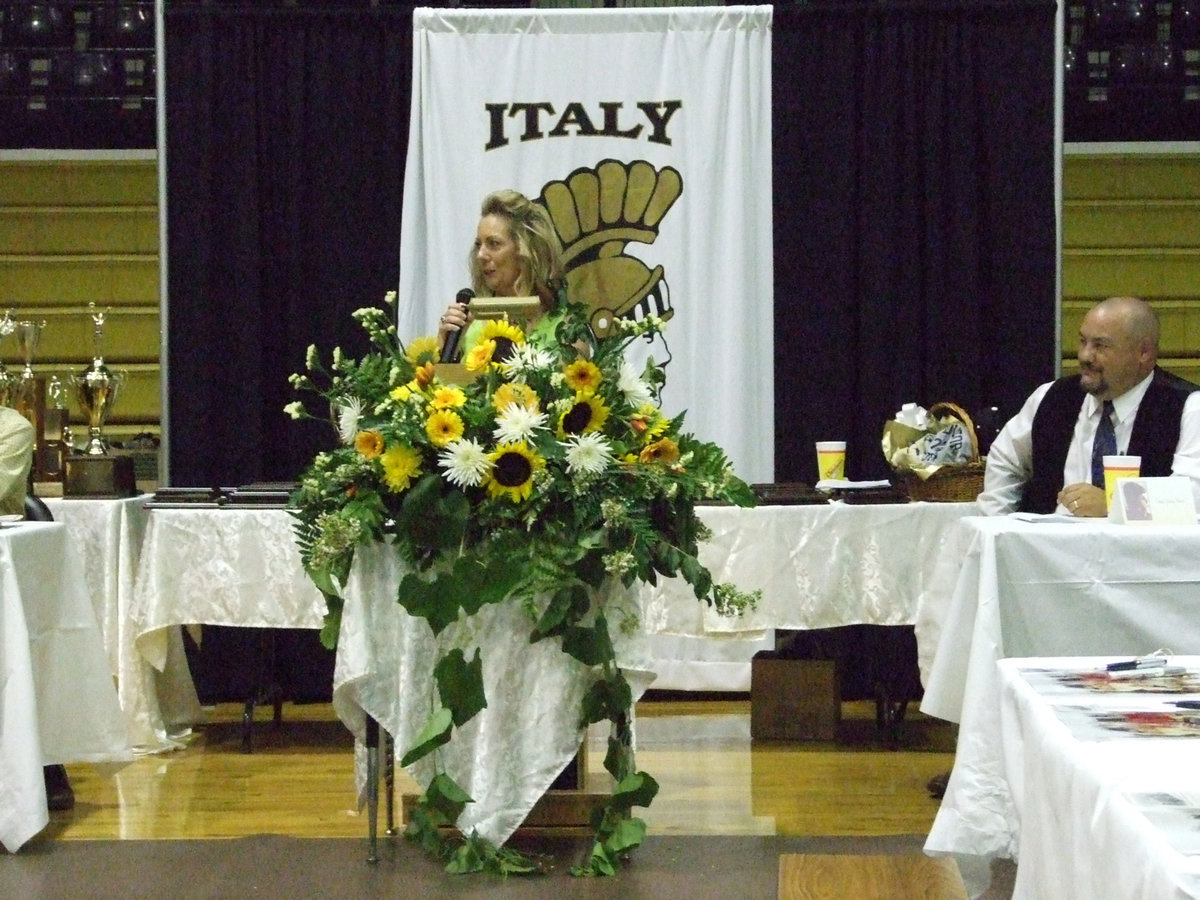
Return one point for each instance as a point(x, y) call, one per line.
point(443, 427)
point(422, 350)
point(586, 413)
point(447, 397)
point(480, 355)
point(401, 464)
point(401, 393)
point(582, 375)
point(369, 443)
point(665, 451)
point(513, 468)
point(515, 392)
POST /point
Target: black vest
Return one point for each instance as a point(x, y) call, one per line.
point(1154, 438)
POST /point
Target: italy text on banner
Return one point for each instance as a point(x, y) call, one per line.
point(647, 133)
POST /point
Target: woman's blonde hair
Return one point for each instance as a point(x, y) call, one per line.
point(538, 247)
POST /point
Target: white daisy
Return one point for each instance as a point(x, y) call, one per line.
point(588, 453)
point(517, 422)
point(630, 383)
point(465, 462)
point(348, 415)
point(526, 358)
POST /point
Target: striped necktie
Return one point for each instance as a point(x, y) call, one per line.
point(1104, 445)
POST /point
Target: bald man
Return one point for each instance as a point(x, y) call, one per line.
point(1041, 461)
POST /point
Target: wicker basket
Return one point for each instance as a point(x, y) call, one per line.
point(949, 484)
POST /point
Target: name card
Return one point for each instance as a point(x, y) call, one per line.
point(1153, 501)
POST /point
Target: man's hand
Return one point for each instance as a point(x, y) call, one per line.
point(1083, 499)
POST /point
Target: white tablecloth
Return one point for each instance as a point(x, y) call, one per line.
point(818, 566)
point(58, 703)
point(1083, 831)
point(1040, 587)
point(238, 567)
point(509, 754)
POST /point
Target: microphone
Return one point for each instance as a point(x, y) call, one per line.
point(450, 348)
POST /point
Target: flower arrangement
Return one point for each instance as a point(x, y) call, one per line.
point(548, 474)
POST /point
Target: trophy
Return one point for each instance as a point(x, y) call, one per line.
point(7, 383)
point(28, 388)
point(95, 472)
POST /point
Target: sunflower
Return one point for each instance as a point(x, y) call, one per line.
point(443, 427)
point(494, 329)
point(582, 375)
point(401, 464)
point(664, 451)
point(586, 413)
point(447, 397)
point(480, 355)
point(369, 443)
point(422, 350)
point(515, 392)
point(513, 467)
point(649, 422)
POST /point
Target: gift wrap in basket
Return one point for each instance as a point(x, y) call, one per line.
point(935, 453)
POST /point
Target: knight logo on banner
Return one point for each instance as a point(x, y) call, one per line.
point(531, 100)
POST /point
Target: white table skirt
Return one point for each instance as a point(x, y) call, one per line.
point(1081, 836)
point(58, 703)
point(818, 566)
point(1041, 587)
point(509, 754)
point(237, 567)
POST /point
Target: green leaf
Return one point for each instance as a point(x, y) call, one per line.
point(566, 606)
point(460, 685)
point(592, 645)
point(606, 699)
point(445, 797)
point(464, 860)
point(435, 733)
point(638, 789)
point(619, 758)
point(628, 834)
point(332, 626)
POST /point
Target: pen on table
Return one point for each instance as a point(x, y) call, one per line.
point(1145, 663)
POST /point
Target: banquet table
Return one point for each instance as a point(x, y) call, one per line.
point(107, 535)
point(58, 703)
point(818, 566)
point(1038, 586)
point(207, 566)
point(1106, 806)
point(508, 755)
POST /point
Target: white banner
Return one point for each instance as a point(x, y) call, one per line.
point(647, 133)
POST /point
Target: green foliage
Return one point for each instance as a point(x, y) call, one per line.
point(545, 480)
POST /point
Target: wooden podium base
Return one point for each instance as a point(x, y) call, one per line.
point(560, 812)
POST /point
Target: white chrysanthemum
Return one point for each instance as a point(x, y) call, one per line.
point(348, 415)
point(526, 358)
point(630, 383)
point(516, 423)
point(466, 463)
point(588, 453)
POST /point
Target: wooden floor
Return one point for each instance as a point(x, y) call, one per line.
point(299, 779)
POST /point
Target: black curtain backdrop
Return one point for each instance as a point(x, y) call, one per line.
point(914, 216)
point(913, 198)
point(285, 146)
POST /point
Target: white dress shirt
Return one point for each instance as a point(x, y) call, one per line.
point(1010, 459)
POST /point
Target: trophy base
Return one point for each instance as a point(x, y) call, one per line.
point(106, 477)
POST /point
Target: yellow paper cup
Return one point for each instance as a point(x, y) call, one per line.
point(1116, 468)
point(831, 460)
